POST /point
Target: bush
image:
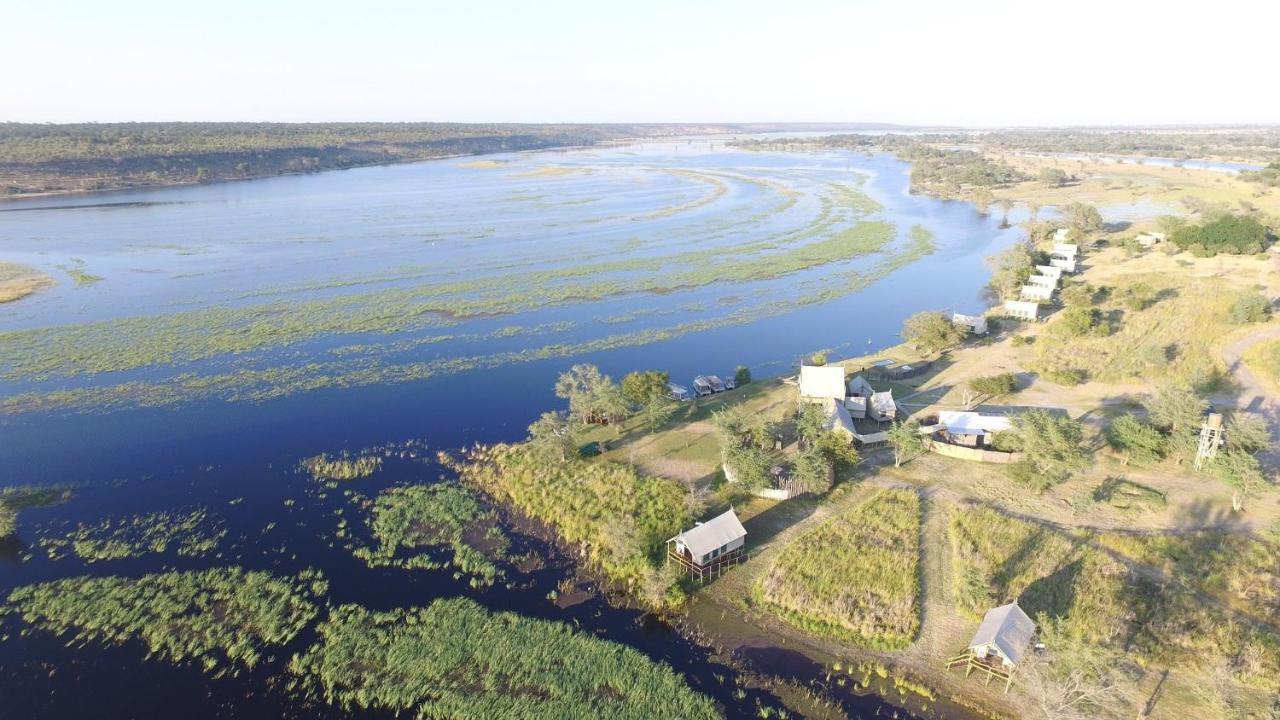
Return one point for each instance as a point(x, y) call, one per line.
point(1249, 307)
point(1052, 448)
point(1225, 233)
point(8, 520)
point(1078, 320)
point(994, 385)
point(931, 331)
point(1022, 340)
point(1067, 377)
point(742, 376)
point(819, 358)
point(1139, 296)
point(1136, 440)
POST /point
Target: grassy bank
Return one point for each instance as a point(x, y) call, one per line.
point(18, 281)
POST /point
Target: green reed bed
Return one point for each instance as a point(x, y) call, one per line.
point(455, 660)
point(340, 467)
point(190, 534)
point(854, 577)
point(269, 383)
point(419, 517)
point(222, 619)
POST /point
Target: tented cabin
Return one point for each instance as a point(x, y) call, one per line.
point(881, 407)
point(1063, 264)
point(999, 645)
point(709, 548)
point(1049, 271)
point(1049, 281)
point(1151, 239)
point(822, 382)
point(1036, 292)
point(1061, 235)
point(839, 419)
point(678, 392)
point(1065, 250)
point(977, 324)
point(705, 385)
point(1022, 310)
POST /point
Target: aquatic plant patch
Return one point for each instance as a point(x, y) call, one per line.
point(854, 577)
point(341, 467)
point(190, 533)
point(455, 660)
point(222, 618)
point(422, 517)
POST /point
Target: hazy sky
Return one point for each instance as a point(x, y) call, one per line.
point(1026, 62)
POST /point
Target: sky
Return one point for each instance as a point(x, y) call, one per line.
point(975, 63)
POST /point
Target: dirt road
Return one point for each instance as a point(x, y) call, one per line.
point(1254, 396)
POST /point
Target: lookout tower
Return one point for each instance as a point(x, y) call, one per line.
point(1210, 439)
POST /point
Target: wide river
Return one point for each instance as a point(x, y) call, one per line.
point(201, 340)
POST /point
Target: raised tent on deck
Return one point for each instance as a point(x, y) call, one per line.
point(999, 645)
point(819, 382)
point(709, 547)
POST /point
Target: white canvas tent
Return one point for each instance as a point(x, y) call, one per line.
point(972, 423)
point(977, 324)
point(1005, 633)
point(1063, 264)
point(1036, 292)
point(1022, 309)
point(1049, 271)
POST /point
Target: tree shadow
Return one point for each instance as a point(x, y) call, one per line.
point(765, 526)
point(1053, 594)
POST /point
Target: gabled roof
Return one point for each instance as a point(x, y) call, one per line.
point(716, 532)
point(838, 417)
point(1008, 629)
point(822, 381)
point(860, 386)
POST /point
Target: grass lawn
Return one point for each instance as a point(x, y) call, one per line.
point(854, 577)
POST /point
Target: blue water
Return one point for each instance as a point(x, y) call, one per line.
point(274, 240)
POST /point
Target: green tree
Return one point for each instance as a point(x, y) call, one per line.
point(1010, 270)
point(657, 412)
point(643, 387)
point(1248, 432)
point(1052, 177)
point(742, 376)
point(593, 397)
point(1241, 472)
point(1052, 448)
point(994, 386)
point(1137, 441)
point(1083, 218)
point(811, 472)
point(906, 440)
point(1077, 321)
point(931, 331)
point(1139, 296)
point(554, 436)
point(1178, 413)
point(1249, 307)
point(819, 358)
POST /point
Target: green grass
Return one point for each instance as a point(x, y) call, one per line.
point(343, 467)
point(854, 577)
point(620, 517)
point(190, 534)
point(432, 516)
point(1102, 601)
point(1264, 358)
point(456, 660)
point(15, 498)
point(221, 619)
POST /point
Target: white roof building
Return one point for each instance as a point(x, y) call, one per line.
point(1061, 234)
point(1005, 632)
point(972, 423)
point(1066, 250)
point(1050, 281)
point(712, 538)
point(1037, 292)
point(839, 421)
point(1022, 309)
point(1063, 264)
point(1147, 239)
point(977, 324)
point(822, 381)
point(1049, 271)
point(860, 387)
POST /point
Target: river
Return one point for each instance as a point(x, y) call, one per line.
point(678, 255)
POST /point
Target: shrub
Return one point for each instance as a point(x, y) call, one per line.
point(1224, 233)
point(931, 331)
point(994, 385)
point(1136, 440)
point(818, 358)
point(1249, 307)
point(1139, 296)
point(1052, 448)
point(1022, 340)
point(1077, 321)
point(742, 375)
point(8, 520)
point(1067, 377)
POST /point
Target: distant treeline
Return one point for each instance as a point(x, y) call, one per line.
point(59, 158)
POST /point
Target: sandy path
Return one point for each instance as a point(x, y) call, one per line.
point(1254, 396)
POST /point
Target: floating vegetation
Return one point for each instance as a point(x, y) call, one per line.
point(190, 534)
point(18, 497)
point(854, 577)
point(18, 281)
point(456, 660)
point(432, 516)
point(220, 618)
point(342, 467)
point(77, 272)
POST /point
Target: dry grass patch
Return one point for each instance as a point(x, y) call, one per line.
point(18, 281)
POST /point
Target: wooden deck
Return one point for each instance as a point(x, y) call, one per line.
point(992, 666)
point(711, 570)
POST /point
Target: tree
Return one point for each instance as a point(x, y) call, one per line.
point(657, 412)
point(1135, 440)
point(1249, 307)
point(593, 397)
point(1074, 679)
point(1052, 177)
point(1248, 433)
point(819, 358)
point(931, 331)
point(643, 387)
point(1223, 232)
point(1178, 413)
point(1010, 270)
point(1077, 321)
point(983, 197)
point(994, 386)
point(1241, 471)
point(1006, 204)
point(907, 441)
point(811, 472)
point(1170, 224)
point(1139, 296)
point(1083, 218)
point(742, 376)
point(1051, 447)
point(554, 437)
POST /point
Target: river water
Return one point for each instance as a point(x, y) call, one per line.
point(502, 227)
